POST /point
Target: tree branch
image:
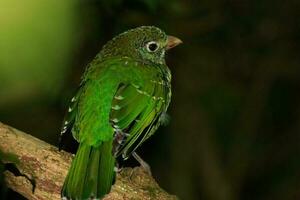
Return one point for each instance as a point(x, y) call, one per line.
point(48, 167)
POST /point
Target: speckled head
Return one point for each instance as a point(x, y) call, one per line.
point(146, 43)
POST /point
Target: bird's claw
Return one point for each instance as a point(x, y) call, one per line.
point(146, 167)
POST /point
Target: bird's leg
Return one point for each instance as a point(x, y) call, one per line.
point(117, 168)
point(144, 165)
point(119, 139)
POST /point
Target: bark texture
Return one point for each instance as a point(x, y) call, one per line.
point(47, 167)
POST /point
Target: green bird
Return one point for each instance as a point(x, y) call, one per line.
point(122, 100)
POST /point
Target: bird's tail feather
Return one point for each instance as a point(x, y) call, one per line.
point(91, 173)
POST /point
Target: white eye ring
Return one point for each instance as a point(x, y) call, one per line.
point(152, 46)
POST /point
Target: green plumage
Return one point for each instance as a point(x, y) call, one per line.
point(123, 95)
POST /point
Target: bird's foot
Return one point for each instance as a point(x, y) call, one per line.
point(143, 164)
point(117, 168)
point(119, 140)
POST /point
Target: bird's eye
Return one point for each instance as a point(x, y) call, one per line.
point(152, 46)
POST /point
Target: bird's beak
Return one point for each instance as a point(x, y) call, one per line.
point(172, 42)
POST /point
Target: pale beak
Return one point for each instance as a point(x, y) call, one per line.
point(172, 42)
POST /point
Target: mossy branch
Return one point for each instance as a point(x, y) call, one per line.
point(45, 168)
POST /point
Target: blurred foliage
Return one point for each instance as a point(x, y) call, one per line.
point(235, 112)
point(35, 45)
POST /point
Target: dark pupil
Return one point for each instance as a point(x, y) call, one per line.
point(152, 46)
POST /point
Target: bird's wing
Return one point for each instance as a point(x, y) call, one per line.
point(90, 116)
point(117, 94)
point(69, 117)
point(136, 111)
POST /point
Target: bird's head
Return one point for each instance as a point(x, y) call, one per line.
point(146, 43)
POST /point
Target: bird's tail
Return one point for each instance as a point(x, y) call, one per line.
point(91, 173)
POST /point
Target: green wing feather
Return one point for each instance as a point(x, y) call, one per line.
point(92, 123)
point(137, 110)
point(69, 118)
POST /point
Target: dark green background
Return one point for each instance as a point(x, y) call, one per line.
point(235, 111)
